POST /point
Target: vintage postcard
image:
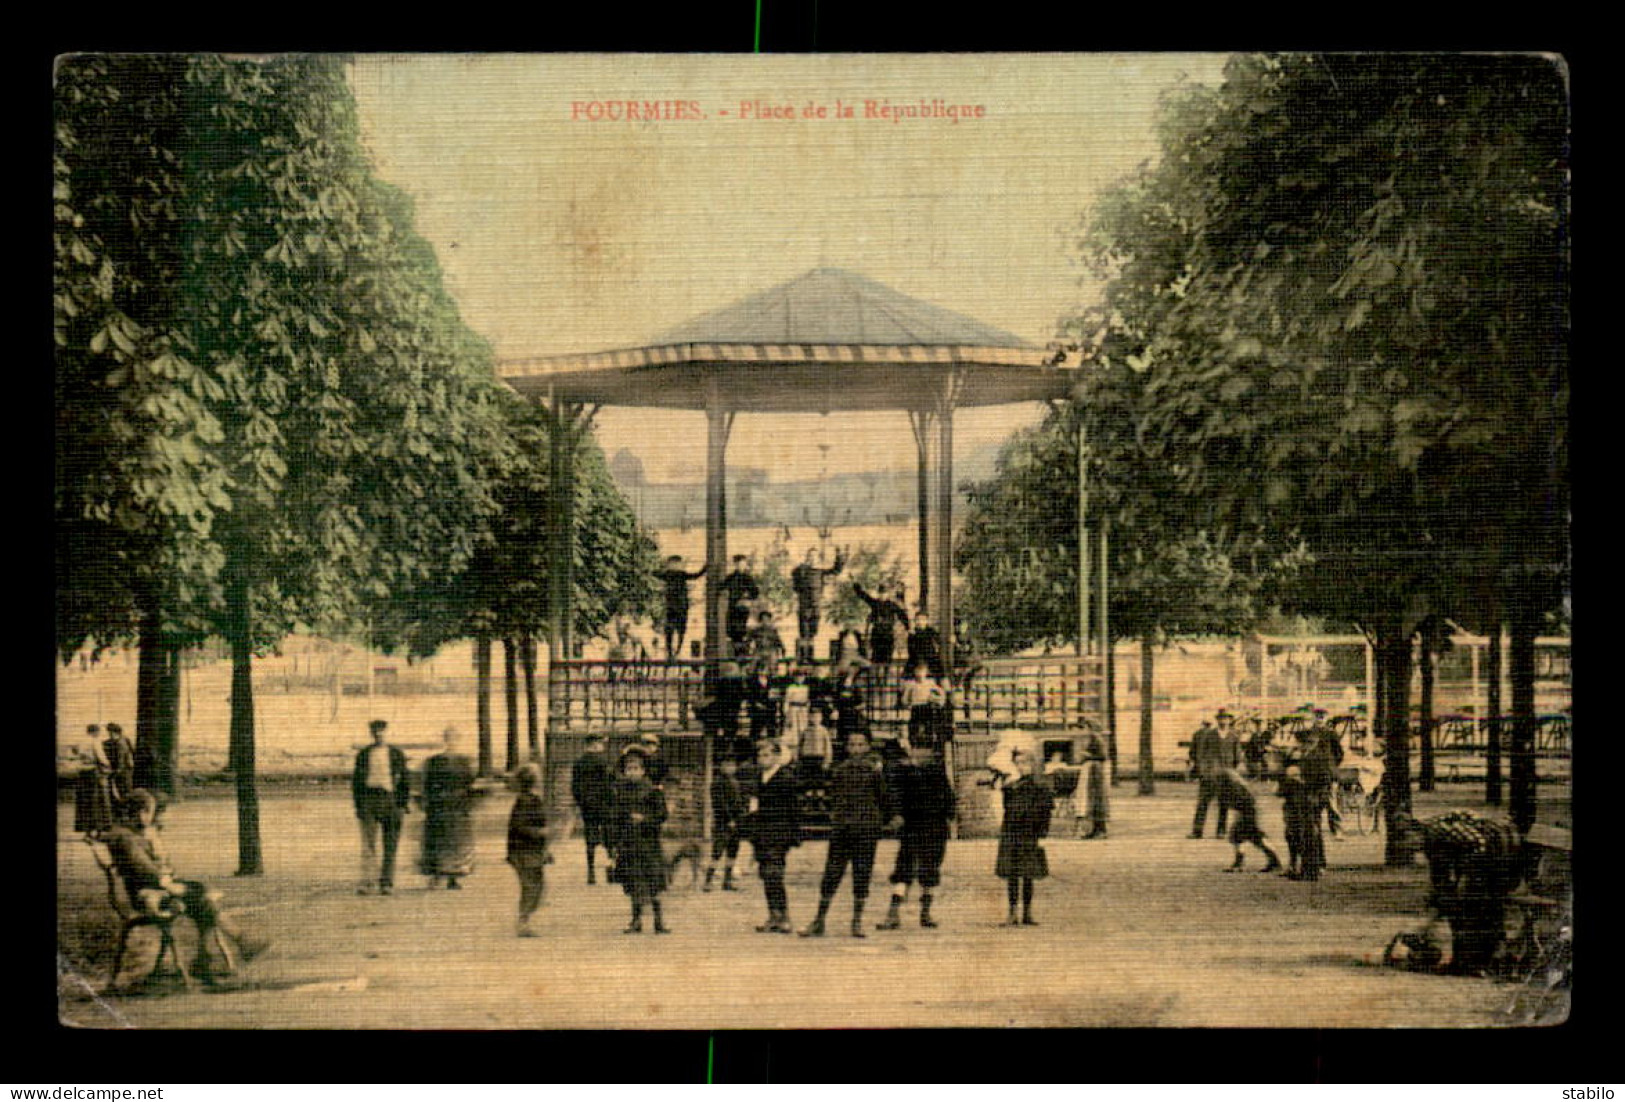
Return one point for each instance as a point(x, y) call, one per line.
point(731, 542)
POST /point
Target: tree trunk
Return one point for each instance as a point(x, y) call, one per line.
point(1492, 721)
point(1425, 777)
point(1148, 780)
point(482, 701)
point(527, 656)
point(1393, 651)
point(166, 746)
point(510, 697)
point(148, 700)
point(1521, 748)
point(239, 626)
point(1111, 711)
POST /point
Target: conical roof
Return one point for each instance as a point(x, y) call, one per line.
point(834, 306)
point(825, 341)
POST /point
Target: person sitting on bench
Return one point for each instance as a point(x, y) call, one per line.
point(150, 882)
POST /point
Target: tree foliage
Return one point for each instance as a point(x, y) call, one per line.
point(266, 398)
point(1344, 283)
point(1171, 573)
point(1343, 290)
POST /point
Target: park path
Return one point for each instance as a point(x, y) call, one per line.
point(1142, 929)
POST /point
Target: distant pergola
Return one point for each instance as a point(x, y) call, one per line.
point(829, 341)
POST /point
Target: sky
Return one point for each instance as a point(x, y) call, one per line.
point(565, 226)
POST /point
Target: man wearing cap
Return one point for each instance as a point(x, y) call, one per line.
point(381, 788)
point(1209, 757)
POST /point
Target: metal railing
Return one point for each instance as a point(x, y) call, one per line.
point(1038, 693)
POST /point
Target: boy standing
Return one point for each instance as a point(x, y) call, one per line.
point(727, 809)
point(927, 800)
point(527, 844)
point(859, 808)
point(593, 789)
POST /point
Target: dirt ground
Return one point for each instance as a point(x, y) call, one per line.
point(1142, 929)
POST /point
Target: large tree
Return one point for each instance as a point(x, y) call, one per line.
point(1345, 283)
point(1172, 574)
point(343, 431)
point(137, 483)
point(501, 593)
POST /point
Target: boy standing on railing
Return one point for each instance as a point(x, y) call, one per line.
point(927, 704)
point(675, 580)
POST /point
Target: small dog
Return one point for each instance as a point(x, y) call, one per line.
point(693, 854)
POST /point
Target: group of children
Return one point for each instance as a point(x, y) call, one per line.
point(1307, 779)
point(879, 787)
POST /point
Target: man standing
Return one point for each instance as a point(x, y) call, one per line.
point(739, 593)
point(593, 789)
point(1208, 760)
point(773, 829)
point(120, 757)
point(808, 582)
point(676, 580)
point(381, 787)
point(1320, 759)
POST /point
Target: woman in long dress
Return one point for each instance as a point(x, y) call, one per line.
point(1096, 786)
point(448, 814)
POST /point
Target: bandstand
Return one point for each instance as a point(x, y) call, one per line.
point(828, 342)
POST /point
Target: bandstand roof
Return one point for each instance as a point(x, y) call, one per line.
point(828, 340)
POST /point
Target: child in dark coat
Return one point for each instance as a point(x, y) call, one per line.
point(527, 845)
point(1028, 802)
point(727, 809)
point(927, 800)
point(1306, 854)
point(860, 807)
point(640, 865)
point(1234, 794)
point(773, 829)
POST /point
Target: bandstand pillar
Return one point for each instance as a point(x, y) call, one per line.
point(718, 424)
point(934, 440)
